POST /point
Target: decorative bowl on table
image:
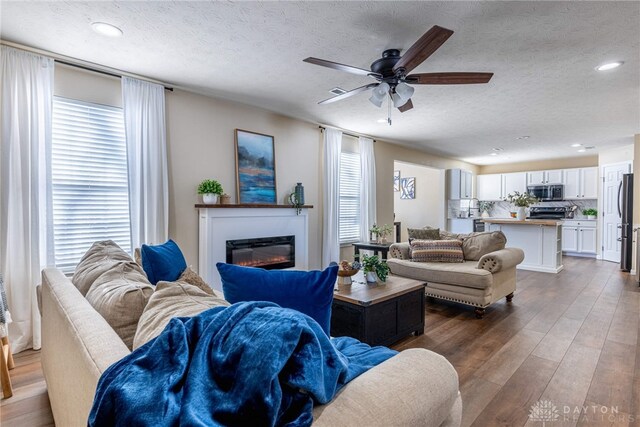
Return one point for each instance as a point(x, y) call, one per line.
point(346, 271)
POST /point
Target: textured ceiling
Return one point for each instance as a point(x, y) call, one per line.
point(543, 55)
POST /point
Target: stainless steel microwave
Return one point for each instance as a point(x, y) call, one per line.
point(547, 193)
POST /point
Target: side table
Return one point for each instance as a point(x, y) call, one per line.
point(371, 246)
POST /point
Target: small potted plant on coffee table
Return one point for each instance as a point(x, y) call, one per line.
point(210, 190)
point(374, 266)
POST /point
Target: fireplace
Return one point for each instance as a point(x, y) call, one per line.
point(270, 253)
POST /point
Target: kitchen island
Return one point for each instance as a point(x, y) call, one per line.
point(540, 239)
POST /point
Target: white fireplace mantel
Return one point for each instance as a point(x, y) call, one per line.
point(219, 223)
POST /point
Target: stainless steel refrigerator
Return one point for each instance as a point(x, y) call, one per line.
point(625, 210)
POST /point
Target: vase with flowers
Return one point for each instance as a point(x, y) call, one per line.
point(521, 201)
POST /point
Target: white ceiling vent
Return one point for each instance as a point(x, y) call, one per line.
point(337, 91)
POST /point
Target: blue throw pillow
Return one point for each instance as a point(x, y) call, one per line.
point(309, 292)
point(162, 262)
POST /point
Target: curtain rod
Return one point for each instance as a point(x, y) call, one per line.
point(72, 62)
point(344, 133)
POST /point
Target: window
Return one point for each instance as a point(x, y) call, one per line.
point(90, 186)
point(349, 216)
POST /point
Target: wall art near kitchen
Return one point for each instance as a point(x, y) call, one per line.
point(407, 188)
point(396, 180)
point(255, 167)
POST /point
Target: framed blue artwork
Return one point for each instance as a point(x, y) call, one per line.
point(255, 167)
point(396, 180)
point(407, 188)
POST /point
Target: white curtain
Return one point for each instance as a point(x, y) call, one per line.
point(26, 92)
point(368, 188)
point(331, 196)
point(144, 119)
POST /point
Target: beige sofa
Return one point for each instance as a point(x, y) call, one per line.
point(478, 283)
point(415, 387)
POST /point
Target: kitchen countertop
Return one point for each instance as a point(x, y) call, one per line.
point(514, 221)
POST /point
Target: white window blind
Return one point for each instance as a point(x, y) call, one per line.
point(349, 215)
point(89, 179)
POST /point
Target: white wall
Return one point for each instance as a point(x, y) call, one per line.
point(428, 206)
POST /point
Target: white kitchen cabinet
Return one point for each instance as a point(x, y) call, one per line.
point(581, 183)
point(466, 187)
point(570, 239)
point(512, 182)
point(498, 186)
point(461, 225)
point(489, 187)
point(579, 237)
point(460, 184)
point(587, 240)
point(589, 181)
point(544, 177)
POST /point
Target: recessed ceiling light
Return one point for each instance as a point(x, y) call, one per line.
point(106, 29)
point(576, 145)
point(582, 150)
point(609, 66)
point(381, 120)
point(523, 137)
point(493, 154)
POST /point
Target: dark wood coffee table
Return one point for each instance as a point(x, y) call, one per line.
point(378, 314)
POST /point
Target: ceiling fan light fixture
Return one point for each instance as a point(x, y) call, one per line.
point(376, 101)
point(405, 91)
point(379, 93)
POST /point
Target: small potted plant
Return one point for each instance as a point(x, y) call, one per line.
point(521, 201)
point(210, 190)
point(374, 266)
point(591, 213)
point(485, 208)
point(381, 232)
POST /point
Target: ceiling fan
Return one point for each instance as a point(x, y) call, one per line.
point(392, 72)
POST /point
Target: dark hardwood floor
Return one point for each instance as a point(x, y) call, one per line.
point(569, 338)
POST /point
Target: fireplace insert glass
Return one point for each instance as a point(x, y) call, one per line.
point(270, 253)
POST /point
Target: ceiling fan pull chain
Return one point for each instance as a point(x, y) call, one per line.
point(389, 111)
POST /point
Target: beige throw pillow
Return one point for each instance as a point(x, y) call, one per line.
point(100, 258)
point(120, 296)
point(476, 245)
point(172, 299)
point(436, 251)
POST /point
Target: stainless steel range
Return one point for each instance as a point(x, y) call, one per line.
point(548, 212)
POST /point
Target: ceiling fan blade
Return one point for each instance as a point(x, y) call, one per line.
point(341, 67)
point(423, 48)
point(448, 78)
point(349, 93)
point(406, 107)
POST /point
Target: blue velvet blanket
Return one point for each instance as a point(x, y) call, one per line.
point(253, 363)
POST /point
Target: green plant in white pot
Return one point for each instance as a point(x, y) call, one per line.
point(521, 201)
point(591, 213)
point(374, 266)
point(210, 190)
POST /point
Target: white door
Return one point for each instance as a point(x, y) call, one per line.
point(514, 182)
point(611, 215)
point(587, 240)
point(572, 184)
point(570, 239)
point(489, 187)
point(553, 177)
point(589, 183)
